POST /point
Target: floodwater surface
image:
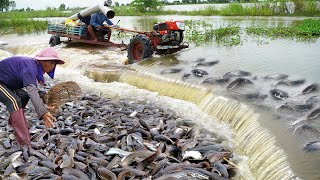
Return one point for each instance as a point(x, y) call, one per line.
point(260, 56)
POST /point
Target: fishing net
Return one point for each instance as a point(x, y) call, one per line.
point(62, 93)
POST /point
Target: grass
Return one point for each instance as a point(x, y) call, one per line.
point(301, 30)
point(22, 26)
point(226, 36)
point(303, 8)
point(37, 14)
point(200, 33)
point(21, 22)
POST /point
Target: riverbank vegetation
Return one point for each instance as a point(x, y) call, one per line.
point(154, 7)
point(280, 8)
point(20, 21)
point(309, 28)
point(22, 26)
point(200, 32)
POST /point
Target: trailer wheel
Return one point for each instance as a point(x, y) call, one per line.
point(54, 40)
point(139, 48)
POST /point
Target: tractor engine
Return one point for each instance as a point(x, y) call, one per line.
point(170, 32)
point(166, 38)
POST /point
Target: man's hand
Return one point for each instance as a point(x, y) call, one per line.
point(99, 28)
point(48, 120)
point(115, 26)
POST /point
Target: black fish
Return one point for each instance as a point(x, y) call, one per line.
point(185, 76)
point(221, 168)
point(239, 82)
point(216, 81)
point(253, 96)
point(279, 94)
point(171, 71)
point(211, 63)
point(306, 128)
point(200, 59)
point(199, 72)
point(296, 107)
point(314, 114)
point(312, 146)
point(291, 83)
point(276, 76)
point(66, 131)
point(236, 74)
point(313, 100)
point(310, 89)
point(204, 149)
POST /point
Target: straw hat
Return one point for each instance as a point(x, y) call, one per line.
point(48, 54)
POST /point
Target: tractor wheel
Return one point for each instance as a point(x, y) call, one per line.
point(139, 48)
point(54, 40)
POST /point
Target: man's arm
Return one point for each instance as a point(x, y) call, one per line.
point(109, 22)
point(37, 102)
point(40, 107)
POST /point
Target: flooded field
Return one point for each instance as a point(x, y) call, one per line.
point(258, 60)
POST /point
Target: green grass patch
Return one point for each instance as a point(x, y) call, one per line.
point(37, 14)
point(303, 8)
point(22, 26)
point(208, 11)
point(199, 32)
point(309, 28)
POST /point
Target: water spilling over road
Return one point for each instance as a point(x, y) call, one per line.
point(270, 130)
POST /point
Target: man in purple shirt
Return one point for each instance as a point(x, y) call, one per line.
point(19, 72)
point(96, 25)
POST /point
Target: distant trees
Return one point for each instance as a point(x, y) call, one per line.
point(146, 5)
point(6, 4)
point(62, 7)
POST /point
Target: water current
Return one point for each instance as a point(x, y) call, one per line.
point(266, 146)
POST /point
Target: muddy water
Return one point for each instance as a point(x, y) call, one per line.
point(297, 59)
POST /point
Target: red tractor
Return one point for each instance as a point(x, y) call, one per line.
point(166, 38)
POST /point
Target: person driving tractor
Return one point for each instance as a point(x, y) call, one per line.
point(96, 25)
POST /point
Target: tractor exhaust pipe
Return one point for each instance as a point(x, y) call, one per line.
point(104, 8)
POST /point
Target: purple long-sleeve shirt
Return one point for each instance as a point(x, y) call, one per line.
point(23, 72)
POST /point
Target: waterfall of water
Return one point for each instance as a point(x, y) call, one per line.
point(165, 86)
point(266, 160)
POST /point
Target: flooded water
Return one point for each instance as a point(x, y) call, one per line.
point(266, 143)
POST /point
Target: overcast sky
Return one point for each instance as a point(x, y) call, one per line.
point(43, 4)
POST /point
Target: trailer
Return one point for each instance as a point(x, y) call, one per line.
point(165, 38)
point(77, 33)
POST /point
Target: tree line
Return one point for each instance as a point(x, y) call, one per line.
point(6, 4)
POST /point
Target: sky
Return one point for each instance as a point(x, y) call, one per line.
point(43, 4)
